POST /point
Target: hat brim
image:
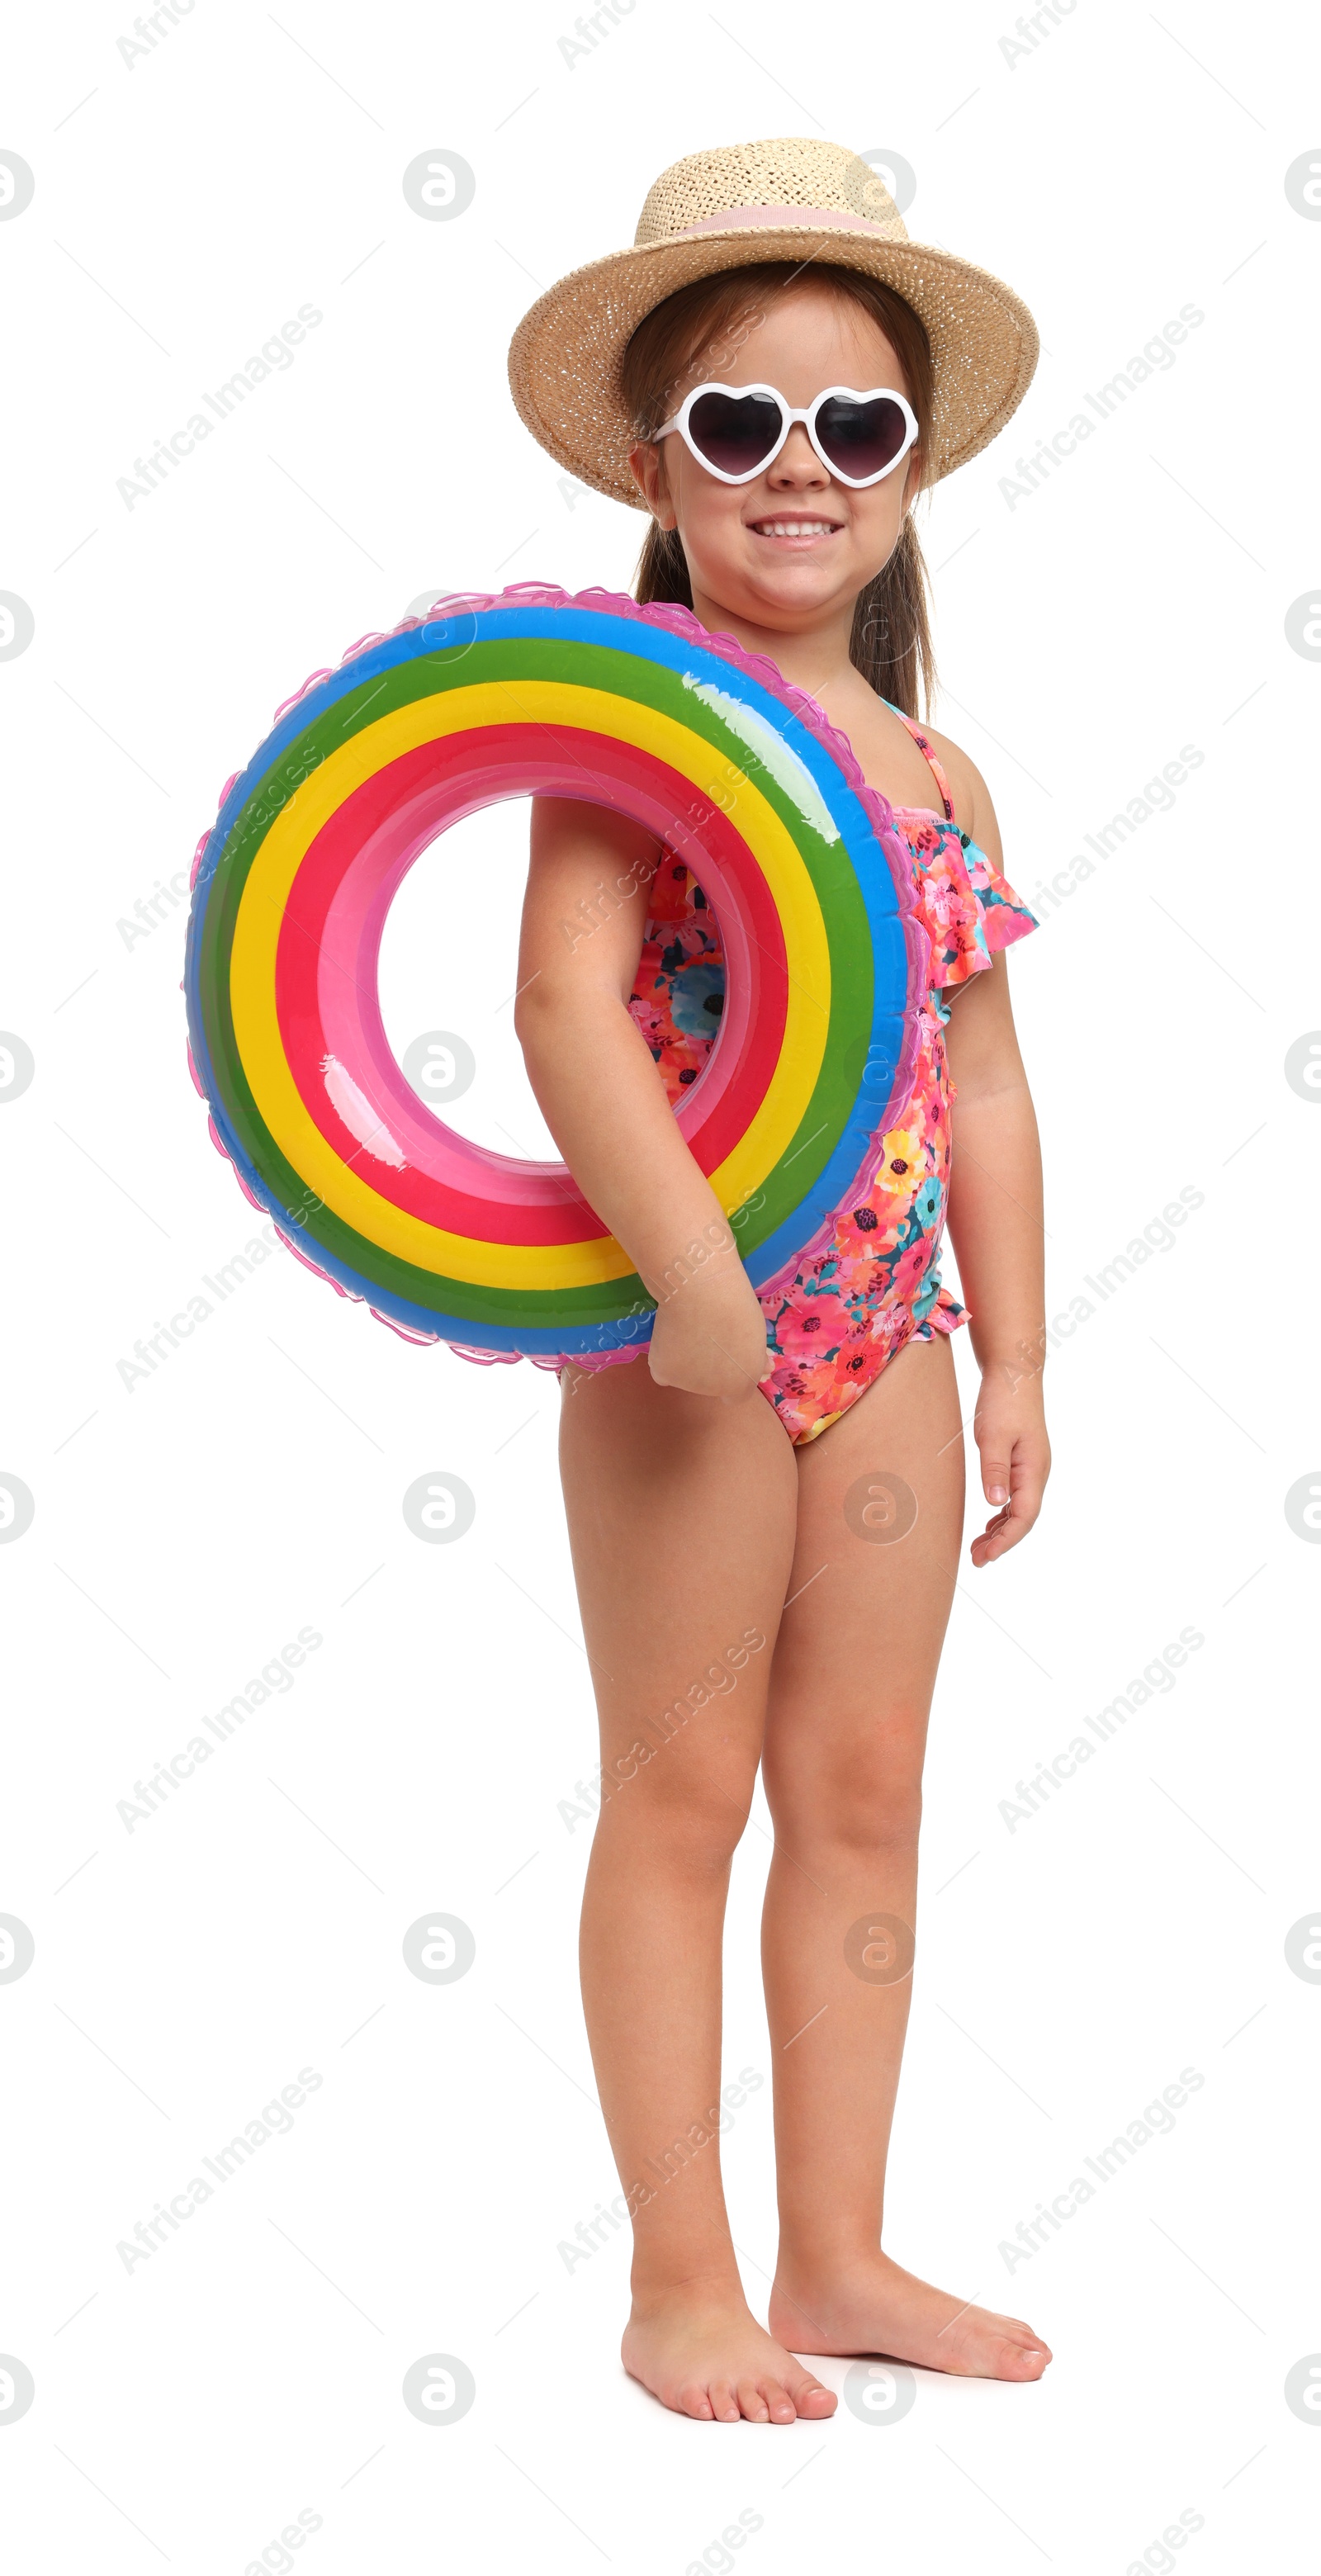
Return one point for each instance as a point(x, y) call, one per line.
point(564, 358)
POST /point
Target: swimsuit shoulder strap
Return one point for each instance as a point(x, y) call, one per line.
point(928, 754)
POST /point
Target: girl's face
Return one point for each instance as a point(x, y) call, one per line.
point(792, 549)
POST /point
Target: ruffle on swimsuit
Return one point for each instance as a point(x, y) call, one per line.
point(970, 910)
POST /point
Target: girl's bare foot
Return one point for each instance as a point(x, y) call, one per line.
point(873, 2305)
point(700, 2350)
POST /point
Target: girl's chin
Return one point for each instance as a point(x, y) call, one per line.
point(800, 586)
point(821, 569)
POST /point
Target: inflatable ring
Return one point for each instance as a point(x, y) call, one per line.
point(538, 693)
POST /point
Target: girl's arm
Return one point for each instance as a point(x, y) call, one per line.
point(602, 1098)
point(995, 1226)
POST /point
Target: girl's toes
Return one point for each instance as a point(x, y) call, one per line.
point(778, 2400)
point(724, 2403)
point(810, 2397)
point(752, 2402)
point(695, 2402)
point(1022, 2360)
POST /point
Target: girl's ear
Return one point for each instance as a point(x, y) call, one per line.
point(649, 475)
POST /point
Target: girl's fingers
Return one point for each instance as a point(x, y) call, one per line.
point(1006, 1530)
point(1019, 1509)
point(987, 1543)
point(1014, 1471)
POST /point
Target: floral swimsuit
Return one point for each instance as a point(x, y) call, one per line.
point(875, 1285)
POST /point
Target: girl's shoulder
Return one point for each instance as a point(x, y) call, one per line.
point(971, 910)
point(969, 794)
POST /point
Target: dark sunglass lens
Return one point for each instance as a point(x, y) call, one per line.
point(861, 438)
point(734, 432)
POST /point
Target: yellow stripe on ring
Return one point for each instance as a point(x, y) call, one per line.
point(266, 895)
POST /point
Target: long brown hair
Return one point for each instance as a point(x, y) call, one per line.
point(697, 329)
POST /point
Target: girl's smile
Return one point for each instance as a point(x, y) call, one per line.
point(788, 529)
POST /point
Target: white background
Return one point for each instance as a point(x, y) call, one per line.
point(1069, 1969)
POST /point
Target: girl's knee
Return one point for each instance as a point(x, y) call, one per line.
point(889, 1818)
point(845, 1809)
point(686, 1813)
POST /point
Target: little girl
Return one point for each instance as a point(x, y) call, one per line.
point(771, 1495)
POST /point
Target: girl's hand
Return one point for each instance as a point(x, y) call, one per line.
point(1009, 1428)
point(709, 1337)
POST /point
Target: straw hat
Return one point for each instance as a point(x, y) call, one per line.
point(790, 199)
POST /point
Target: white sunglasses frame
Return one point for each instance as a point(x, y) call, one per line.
point(788, 416)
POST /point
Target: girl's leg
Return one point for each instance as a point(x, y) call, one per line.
point(850, 1689)
point(681, 1521)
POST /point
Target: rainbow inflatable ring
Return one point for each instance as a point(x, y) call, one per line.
point(535, 692)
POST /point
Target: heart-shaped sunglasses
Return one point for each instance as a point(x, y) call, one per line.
point(736, 431)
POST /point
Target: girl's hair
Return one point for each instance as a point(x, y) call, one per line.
point(695, 332)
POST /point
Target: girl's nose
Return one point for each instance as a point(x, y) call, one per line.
point(797, 463)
